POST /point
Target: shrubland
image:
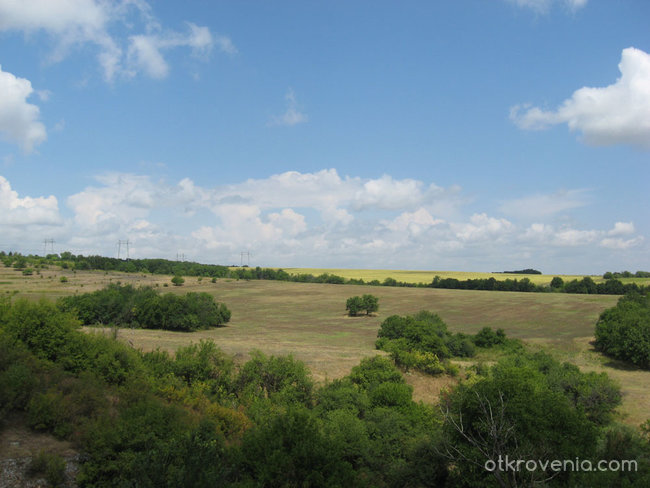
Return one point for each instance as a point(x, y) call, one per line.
point(199, 419)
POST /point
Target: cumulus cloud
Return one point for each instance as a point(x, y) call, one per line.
point(72, 23)
point(482, 227)
point(544, 205)
point(615, 114)
point(26, 211)
point(413, 222)
point(622, 229)
point(19, 119)
point(294, 113)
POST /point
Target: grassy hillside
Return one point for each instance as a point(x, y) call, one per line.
point(309, 321)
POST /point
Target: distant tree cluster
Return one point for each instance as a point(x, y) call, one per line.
point(623, 331)
point(626, 274)
point(357, 304)
point(525, 271)
point(126, 306)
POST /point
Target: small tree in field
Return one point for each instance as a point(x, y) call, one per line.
point(355, 305)
point(370, 303)
point(178, 280)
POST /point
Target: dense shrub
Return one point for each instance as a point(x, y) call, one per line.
point(127, 306)
point(623, 331)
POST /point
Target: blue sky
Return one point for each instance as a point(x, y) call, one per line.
point(451, 135)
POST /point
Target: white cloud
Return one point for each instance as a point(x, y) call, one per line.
point(413, 222)
point(19, 119)
point(621, 244)
point(544, 205)
point(565, 236)
point(622, 229)
point(543, 6)
point(294, 114)
point(26, 211)
point(80, 22)
point(146, 51)
point(616, 114)
point(481, 227)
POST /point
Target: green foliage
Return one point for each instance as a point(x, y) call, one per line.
point(357, 304)
point(292, 450)
point(520, 410)
point(354, 305)
point(281, 379)
point(486, 337)
point(178, 280)
point(50, 466)
point(422, 342)
point(623, 331)
point(557, 283)
point(145, 308)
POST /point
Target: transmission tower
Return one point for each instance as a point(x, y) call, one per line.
point(248, 258)
point(45, 243)
point(119, 248)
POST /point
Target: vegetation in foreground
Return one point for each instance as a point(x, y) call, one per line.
point(197, 419)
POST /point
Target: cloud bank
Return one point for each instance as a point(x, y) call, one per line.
point(307, 219)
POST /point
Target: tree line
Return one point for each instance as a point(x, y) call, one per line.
point(586, 285)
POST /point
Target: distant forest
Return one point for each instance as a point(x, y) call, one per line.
point(611, 286)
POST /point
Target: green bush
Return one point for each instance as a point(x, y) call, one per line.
point(50, 466)
point(127, 306)
point(623, 331)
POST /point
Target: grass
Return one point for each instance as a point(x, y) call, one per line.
point(309, 321)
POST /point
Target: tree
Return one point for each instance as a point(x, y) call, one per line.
point(370, 303)
point(178, 280)
point(354, 305)
point(557, 283)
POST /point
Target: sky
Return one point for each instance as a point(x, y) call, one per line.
point(469, 135)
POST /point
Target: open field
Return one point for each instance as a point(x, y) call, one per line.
point(309, 321)
point(407, 276)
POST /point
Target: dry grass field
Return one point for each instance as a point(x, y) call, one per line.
point(309, 321)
